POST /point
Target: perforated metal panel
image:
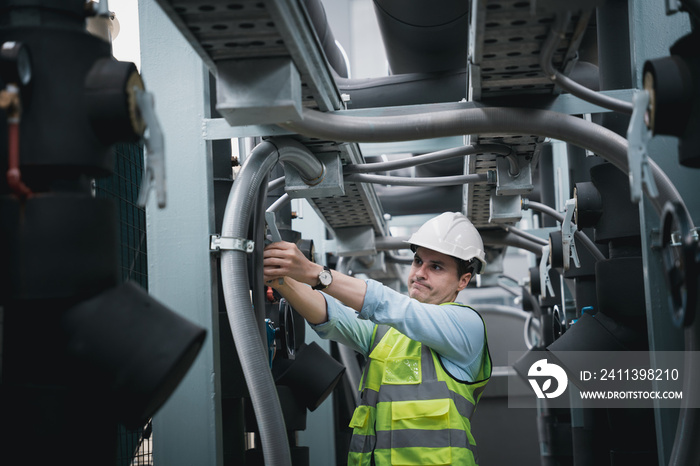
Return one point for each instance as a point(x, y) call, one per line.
point(242, 29)
point(505, 49)
point(230, 30)
point(478, 195)
point(359, 206)
point(504, 61)
point(505, 41)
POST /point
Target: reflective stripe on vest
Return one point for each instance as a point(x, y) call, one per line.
point(412, 411)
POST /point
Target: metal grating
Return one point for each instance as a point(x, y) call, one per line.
point(123, 186)
point(242, 29)
point(359, 206)
point(345, 211)
point(235, 30)
point(232, 30)
point(504, 54)
point(505, 48)
point(478, 195)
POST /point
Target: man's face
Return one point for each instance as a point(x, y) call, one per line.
point(433, 277)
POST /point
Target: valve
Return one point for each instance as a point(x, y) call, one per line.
point(16, 74)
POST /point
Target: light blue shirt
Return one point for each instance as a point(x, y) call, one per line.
point(456, 333)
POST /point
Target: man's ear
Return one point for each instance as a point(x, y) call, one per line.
point(464, 281)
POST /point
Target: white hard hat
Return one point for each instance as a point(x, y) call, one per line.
point(453, 234)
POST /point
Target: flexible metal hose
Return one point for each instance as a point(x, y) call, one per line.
point(557, 33)
point(276, 183)
point(482, 121)
point(490, 237)
point(420, 181)
point(504, 238)
point(428, 158)
point(526, 235)
point(236, 286)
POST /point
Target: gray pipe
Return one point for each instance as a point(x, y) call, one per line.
point(282, 201)
point(482, 121)
point(526, 235)
point(406, 200)
point(390, 243)
point(276, 183)
point(557, 33)
point(489, 237)
point(421, 181)
point(296, 153)
point(250, 348)
point(428, 158)
point(503, 238)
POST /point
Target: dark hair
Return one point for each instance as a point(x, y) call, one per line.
point(465, 267)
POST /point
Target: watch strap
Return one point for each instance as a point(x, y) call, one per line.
point(321, 286)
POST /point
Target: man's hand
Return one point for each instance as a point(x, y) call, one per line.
point(284, 259)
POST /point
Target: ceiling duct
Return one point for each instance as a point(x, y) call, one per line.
point(424, 36)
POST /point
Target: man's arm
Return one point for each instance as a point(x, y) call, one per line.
point(284, 260)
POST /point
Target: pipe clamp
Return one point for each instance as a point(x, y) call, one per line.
point(219, 243)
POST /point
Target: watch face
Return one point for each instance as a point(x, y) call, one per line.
point(325, 278)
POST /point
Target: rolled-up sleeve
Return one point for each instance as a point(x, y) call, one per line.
point(344, 327)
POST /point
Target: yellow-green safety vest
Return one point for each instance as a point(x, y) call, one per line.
point(412, 411)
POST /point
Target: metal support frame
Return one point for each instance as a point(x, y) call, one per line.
point(258, 91)
point(181, 267)
point(504, 209)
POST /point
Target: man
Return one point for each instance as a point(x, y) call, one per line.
point(428, 356)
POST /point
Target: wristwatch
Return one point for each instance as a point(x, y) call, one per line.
point(324, 278)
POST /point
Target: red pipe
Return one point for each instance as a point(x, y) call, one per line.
point(14, 176)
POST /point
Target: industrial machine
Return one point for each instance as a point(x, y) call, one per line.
point(566, 132)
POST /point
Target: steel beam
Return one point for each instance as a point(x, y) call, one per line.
point(180, 266)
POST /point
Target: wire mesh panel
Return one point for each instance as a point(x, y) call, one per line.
point(123, 187)
point(133, 445)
